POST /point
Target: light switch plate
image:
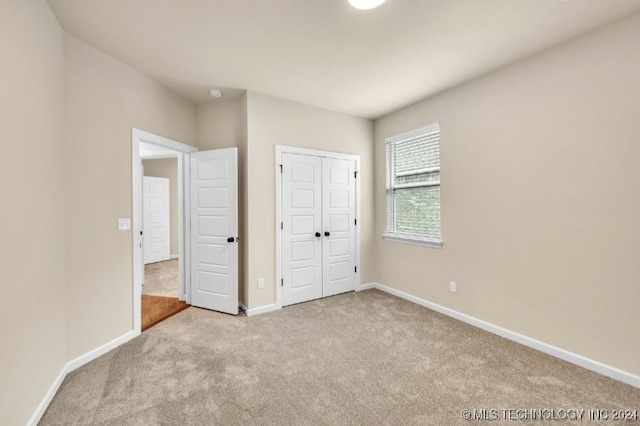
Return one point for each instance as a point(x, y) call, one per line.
point(124, 224)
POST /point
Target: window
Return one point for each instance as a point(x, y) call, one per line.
point(413, 187)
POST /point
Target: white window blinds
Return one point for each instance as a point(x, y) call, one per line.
point(413, 184)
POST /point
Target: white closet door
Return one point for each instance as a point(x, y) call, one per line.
point(339, 214)
point(156, 225)
point(301, 220)
point(214, 230)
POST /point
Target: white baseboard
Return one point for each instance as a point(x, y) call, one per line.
point(274, 306)
point(262, 309)
point(174, 256)
point(589, 364)
point(95, 353)
point(367, 286)
point(72, 365)
point(44, 404)
point(259, 310)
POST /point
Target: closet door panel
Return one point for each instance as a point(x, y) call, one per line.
point(338, 218)
point(301, 220)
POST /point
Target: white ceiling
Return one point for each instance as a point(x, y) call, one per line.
point(323, 52)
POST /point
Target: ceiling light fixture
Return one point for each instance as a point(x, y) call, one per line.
point(366, 4)
point(216, 93)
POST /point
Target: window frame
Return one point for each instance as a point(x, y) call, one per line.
point(391, 186)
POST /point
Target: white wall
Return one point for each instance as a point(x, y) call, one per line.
point(270, 122)
point(32, 259)
point(105, 100)
point(540, 198)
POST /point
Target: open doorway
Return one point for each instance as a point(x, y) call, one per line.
point(160, 236)
point(159, 240)
point(207, 222)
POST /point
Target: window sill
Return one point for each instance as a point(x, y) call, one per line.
point(413, 240)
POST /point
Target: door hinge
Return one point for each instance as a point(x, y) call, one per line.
point(356, 270)
point(355, 221)
point(280, 168)
point(355, 174)
point(282, 282)
point(281, 225)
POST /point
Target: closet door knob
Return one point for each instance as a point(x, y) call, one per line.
point(230, 239)
point(327, 233)
point(317, 234)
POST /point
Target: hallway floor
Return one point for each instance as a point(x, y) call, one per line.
point(156, 309)
point(160, 292)
point(161, 279)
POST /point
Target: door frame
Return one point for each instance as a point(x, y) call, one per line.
point(182, 152)
point(284, 149)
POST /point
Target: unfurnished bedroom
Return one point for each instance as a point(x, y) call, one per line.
point(337, 212)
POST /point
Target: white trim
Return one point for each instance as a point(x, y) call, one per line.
point(99, 351)
point(278, 233)
point(359, 225)
point(430, 133)
point(184, 197)
point(367, 286)
point(417, 185)
point(136, 227)
point(589, 364)
point(73, 365)
point(158, 156)
point(418, 172)
point(413, 240)
point(182, 152)
point(262, 309)
point(284, 149)
point(48, 397)
point(143, 136)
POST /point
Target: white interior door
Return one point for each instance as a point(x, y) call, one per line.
point(318, 227)
point(301, 228)
point(338, 217)
point(214, 230)
point(156, 225)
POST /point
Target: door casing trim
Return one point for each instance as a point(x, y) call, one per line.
point(182, 154)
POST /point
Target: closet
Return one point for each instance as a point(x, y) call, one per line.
point(318, 225)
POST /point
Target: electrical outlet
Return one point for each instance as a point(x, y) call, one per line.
point(453, 287)
point(261, 283)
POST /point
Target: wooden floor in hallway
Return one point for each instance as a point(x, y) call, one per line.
point(158, 308)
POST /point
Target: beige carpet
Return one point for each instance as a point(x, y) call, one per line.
point(357, 359)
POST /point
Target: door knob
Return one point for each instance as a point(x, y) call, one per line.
point(230, 239)
point(317, 234)
point(327, 233)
